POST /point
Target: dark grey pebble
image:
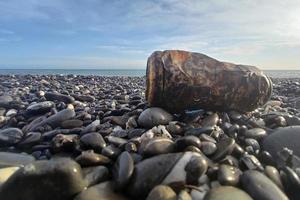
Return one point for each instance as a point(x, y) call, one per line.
point(256, 133)
point(224, 147)
point(95, 175)
point(10, 136)
point(93, 141)
point(274, 175)
point(190, 140)
point(283, 137)
point(30, 139)
point(153, 117)
point(227, 193)
point(102, 191)
point(51, 96)
point(161, 192)
point(71, 123)
point(260, 187)
point(210, 120)
point(111, 151)
point(90, 158)
point(143, 179)
point(64, 174)
point(39, 108)
point(208, 148)
point(157, 146)
point(228, 175)
point(122, 170)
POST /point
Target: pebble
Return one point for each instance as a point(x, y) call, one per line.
point(10, 136)
point(153, 117)
point(72, 123)
point(39, 108)
point(93, 141)
point(123, 170)
point(95, 175)
point(260, 187)
point(224, 147)
point(228, 175)
point(208, 148)
point(161, 192)
point(227, 193)
point(8, 159)
point(103, 191)
point(157, 146)
point(255, 133)
point(283, 137)
point(64, 174)
point(89, 158)
point(51, 96)
point(273, 174)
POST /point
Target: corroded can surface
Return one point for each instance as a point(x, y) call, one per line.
point(181, 80)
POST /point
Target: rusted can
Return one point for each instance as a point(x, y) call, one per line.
point(181, 80)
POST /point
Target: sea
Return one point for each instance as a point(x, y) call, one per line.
point(123, 72)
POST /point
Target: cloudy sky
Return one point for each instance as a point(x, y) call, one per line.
point(123, 33)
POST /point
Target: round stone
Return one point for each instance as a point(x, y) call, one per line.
point(190, 140)
point(64, 174)
point(283, 137)
point(158, 146)
point(153, 117)
point(93, 141)
point(208, 148)
point(227, 193)
point(161, 192)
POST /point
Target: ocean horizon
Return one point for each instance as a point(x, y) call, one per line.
point(122, 72)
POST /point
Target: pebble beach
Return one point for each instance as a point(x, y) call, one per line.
point(74, 137)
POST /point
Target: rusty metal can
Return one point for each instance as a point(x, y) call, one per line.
point(181, 80)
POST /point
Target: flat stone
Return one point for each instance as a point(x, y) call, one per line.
point(260, 187)
point(58, 179)
point(153, 117)
point(161, 192)
point(102, 191)
point(227, 193)
point(283, 137)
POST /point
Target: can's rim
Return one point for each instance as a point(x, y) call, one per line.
point(154, 80)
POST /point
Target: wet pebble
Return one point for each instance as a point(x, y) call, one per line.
point(153, 117)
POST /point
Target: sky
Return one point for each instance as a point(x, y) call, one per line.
point(114, 34)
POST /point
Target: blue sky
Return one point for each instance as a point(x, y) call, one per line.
point(123, 33)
